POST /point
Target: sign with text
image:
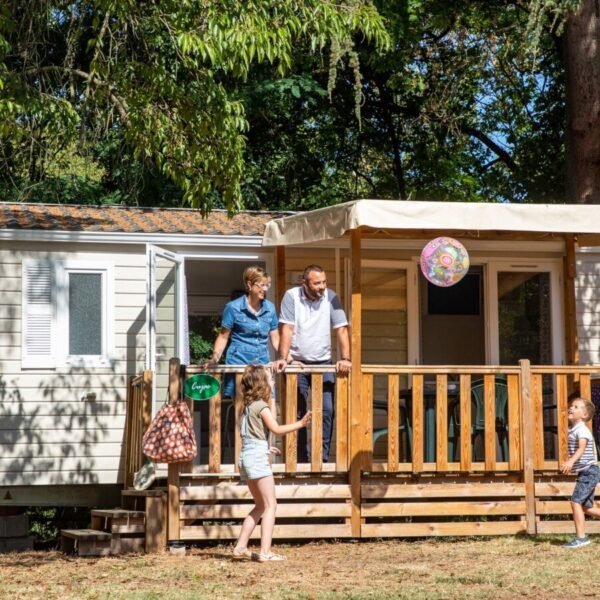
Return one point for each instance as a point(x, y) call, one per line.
point(201, 387)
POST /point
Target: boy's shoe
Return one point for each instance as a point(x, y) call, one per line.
point(577, 542)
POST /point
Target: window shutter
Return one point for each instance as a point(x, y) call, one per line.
point(38, 314)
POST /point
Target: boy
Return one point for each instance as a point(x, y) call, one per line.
point(583, 461)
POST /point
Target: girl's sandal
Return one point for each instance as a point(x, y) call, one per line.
point(267, 557)
point(241, 554)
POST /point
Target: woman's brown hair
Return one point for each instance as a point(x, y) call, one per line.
point(255, 384)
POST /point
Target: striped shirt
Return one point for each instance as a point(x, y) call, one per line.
point(578, 432)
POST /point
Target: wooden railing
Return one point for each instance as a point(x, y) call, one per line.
point(227, 413)
point(138, 416)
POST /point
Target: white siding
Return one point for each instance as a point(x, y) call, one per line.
point(65, 425)
point(587, 293)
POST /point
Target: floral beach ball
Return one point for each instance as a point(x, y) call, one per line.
point(444, 261)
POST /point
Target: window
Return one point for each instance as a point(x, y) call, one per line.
point(66, 314)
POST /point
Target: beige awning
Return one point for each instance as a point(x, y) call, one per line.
point(334, 221)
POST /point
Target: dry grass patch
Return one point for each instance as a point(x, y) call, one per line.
point(495, 568)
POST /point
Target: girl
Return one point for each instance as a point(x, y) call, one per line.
point(255, 468)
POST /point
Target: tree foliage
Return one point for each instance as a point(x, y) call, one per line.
point(78, 76)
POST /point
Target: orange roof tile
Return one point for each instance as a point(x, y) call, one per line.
point(126, 219)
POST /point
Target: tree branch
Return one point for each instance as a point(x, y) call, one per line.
point(91, 79)
point(489, 143)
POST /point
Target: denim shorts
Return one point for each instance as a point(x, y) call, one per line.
point(254, 459)
point(585, 486)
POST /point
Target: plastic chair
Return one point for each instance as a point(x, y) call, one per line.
point(478, 425)
point(404, 427)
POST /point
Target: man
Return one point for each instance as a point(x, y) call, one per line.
point(308, 313)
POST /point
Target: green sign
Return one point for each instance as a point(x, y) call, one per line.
point(201, 387)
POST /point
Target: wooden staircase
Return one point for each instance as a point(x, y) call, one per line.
point(139, 526)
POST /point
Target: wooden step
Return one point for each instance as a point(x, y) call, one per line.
point(85, 542)
point(153, 504)
point(119, 521)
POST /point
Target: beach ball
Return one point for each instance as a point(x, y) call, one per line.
point(444, 261)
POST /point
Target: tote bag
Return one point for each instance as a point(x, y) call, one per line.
point(170, 437)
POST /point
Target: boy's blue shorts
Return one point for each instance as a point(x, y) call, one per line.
point(585, 487)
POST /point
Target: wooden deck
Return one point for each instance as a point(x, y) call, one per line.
point(444, 467)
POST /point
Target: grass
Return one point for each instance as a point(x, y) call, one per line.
point(498, 568)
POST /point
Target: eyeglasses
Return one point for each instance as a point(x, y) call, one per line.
point(263, 286)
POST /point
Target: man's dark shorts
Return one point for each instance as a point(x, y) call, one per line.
point(585, 486)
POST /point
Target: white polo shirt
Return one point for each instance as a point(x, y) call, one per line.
point(312, 321)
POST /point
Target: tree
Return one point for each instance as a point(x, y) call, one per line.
point(150, 77)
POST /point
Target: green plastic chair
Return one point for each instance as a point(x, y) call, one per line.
point(478, 425)
point(403, 427)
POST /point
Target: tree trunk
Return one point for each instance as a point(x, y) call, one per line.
point(582, 59)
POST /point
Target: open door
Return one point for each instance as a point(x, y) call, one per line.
point(164, 316)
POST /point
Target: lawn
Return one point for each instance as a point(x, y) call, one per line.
point(506, 567)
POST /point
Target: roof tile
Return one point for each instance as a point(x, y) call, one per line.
point(67, 217)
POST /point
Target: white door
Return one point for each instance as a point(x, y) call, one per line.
point(164, 316)
point(525, 312)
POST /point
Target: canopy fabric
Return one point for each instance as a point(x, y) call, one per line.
point(334, 221)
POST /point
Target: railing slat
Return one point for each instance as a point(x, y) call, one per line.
point(418, 423)
point(489, 394)
point(316, 441)
point(465, 423)
point(367, 401)
point(341, 420)
point(514, 423)
point(214, 432)
point(561, 417)
point(441, 409)
point(291, 408)
point(538, 420)
point(393, 422)
point(238, 408)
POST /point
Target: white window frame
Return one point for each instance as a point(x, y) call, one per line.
point(551, 266)
point(60, 356)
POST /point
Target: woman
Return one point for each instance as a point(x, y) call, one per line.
point(250, 321)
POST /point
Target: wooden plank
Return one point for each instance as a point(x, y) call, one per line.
point(367, 406)
point(418, 423)
point(441, 428)
point(426, 509)
point(537, 420)
point(465, 423)
point(442, 529)
point(585, 386)
point(489, 395)
point(284, 510)
point(291, 408)
point(527, 418)
point(233, 491)
point(393, 422)
point(442, 490)
point(214, 431)
point(555, 507)
point(544, 527)
point(454, 467)
point(514, 423)
point(557, 488)
point(173, 499)
point(238, 409)
point(221, 532)
point(316, 438)
point(561, 417)
point(356, 405)
point(342, 415)
point(156, 524)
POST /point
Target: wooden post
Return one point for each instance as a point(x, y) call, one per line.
point(173, 473)
point(571, 337)
point(146, 400)
point(356, 416)
point(279, 292)
point(528, 429)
